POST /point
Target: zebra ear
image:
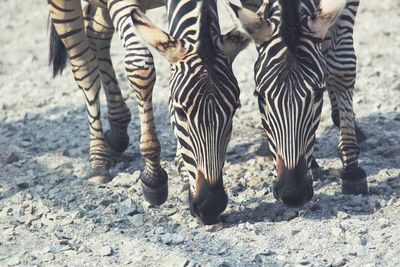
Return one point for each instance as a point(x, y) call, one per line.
point(325, 16)
point(259, 28)
point(173, 49)
point(231, 43)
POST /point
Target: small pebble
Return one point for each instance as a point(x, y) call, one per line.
point(383, 223)
point(103, 250)
point(13, 157)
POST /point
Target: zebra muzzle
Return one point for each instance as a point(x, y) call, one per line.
point(209, 201)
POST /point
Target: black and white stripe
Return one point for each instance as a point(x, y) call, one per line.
point(304, 48)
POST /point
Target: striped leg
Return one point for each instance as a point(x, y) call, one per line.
point(353, 177)
point(335, 118)
point(68, 22)
point(99, 30)
point(141, 75)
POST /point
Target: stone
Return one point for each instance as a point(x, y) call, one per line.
point(337, 232)
point(339, 261)
point(125, 180)
point(137, 220)
point(23, 185)
point(342, 215)
point(13, 261)
point(13, 157)
point(166, 238)
point(27, 219)
point(47, 257)
point(103, 250)
point(383, 223)
point(177, 239)
point(289, 214)
point(129, 208)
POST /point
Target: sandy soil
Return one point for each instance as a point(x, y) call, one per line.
point(50, 216)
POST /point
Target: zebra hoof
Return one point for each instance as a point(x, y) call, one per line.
point(159, 194)
point(99, 175)
point(317, 172)
point(116, 145)
point(354, 181)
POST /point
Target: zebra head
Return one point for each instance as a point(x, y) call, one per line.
point(204, 95)
point(290, 79)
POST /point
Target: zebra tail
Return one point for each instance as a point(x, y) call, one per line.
point(57, 51)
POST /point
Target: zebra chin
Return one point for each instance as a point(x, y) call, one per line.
point(209, 201)
point(294, 187)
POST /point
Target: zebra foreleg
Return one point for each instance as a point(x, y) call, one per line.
point(336, 120)
point(100, 30)
point(67, 19)
point(141, 74)
point(354, 179)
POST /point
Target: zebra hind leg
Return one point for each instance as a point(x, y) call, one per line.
point(67, 19)
point(354, 178)
point(139, 66)
point(100, 30)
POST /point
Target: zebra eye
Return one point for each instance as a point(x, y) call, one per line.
point(181, 114)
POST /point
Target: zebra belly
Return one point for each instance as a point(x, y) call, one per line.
point(148, 4)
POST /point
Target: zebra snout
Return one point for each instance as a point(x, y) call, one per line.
point(293, 186)
point(208, 202)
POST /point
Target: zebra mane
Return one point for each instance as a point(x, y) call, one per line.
point(290, 23)
point(206, 50)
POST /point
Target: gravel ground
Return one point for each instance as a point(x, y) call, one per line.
point(50, 216)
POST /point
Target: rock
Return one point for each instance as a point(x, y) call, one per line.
point(47, 257)
point(166, 238)
point(13, 261)
point(23, 185)
point(13, 157)
point(129, 208)
point(159, 230)
point(177, 239)
point(40, 208)
point(137, 220)
point(103, 250)
point(172, 239)
point(27, 219)
point(383, 223)
point(391, 201)
point(338, 262)
point(215, 227)
point(83, 248)
point(342, 215)
point(125, 180)
point(362, 230)
point(337, 232)
point(289, 214)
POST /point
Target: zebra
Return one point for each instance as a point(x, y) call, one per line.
point(204, 93)
point(304, 47)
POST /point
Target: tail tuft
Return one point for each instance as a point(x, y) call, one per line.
point(57, 52)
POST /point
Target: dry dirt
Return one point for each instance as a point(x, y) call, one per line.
point(50, 216)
